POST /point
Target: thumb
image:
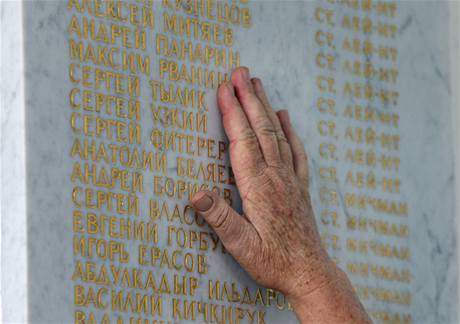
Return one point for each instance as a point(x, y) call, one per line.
point(235, 231)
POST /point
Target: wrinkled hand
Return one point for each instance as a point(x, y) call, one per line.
point(276, 240)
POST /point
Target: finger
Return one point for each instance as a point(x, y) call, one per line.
point(245, 155)
point(283, 145)
point(297, 148)
point(257, 116)
point(236, 233)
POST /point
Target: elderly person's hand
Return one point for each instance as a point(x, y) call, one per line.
point(276, 240)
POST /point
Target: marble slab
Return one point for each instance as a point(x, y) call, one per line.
point(371, 87)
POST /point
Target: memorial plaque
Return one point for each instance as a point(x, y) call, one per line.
point(110, 125)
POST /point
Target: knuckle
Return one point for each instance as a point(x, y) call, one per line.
point(264, 127)
point(262, 121)
point(247, 137)
point(221, 218)
point(267, 131)
point(281, 137)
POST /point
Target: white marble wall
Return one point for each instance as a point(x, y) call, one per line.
point(455, 81)
point(13, 208)
point(37, 261)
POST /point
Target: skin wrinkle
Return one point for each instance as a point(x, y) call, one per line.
point(276, 239)
point(224, 215)
point(283, 144)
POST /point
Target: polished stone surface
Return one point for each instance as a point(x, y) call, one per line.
point(280, 47)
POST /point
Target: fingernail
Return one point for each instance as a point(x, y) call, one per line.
point(203, 204)
point(246, 74)
point(257, 83)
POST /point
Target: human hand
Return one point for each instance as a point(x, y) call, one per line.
point(275, 240)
